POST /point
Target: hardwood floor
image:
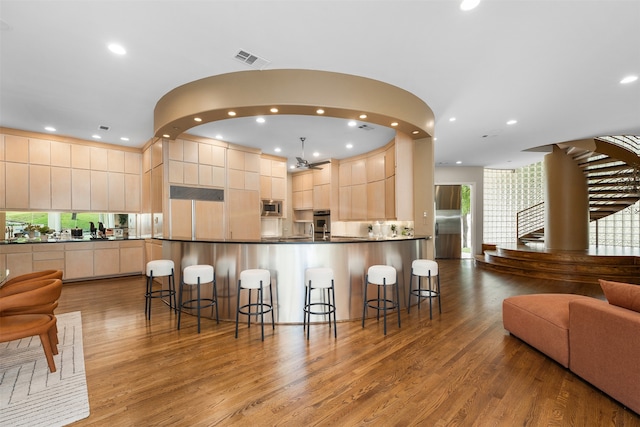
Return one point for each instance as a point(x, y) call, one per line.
point(461, 368)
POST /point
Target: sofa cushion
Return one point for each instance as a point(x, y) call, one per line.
point(623, 295)
point(542, 321)
point(605, 344)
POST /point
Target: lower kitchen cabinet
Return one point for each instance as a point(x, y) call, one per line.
point(79, 260)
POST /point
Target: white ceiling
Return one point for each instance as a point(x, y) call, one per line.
point(555, 66)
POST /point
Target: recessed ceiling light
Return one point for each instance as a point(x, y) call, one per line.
point(469, 4)
point(415, 132)
point(320, 111)
point(349, 146)
point(292, 167)
point(394, 124)
point(363, 116)
point(96, 136)
point(452, 119)
point(435, 139)
point(50, 128)
point(277, 149)
point(629, 79)
point(512, 122)
point(352, 123)
point(316, 154)
point(231, 113)
point(197, 119)
point(218, 136)
point(117, 49)
point(458, 162)
point(260, 120)
point(274, 110)
point(124, 138)
point(166, 135)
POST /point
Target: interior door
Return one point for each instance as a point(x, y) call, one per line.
point(448, 242)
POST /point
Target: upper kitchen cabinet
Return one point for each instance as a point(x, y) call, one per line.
point(42, 174)
point(243, 169)
point(273, 178)
point(325, 188)
point(367, 185)
point(302, 187)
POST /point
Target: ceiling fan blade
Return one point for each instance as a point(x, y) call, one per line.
point(301, 160)
point(324, 162)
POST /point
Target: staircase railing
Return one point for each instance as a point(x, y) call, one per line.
point(530, 220)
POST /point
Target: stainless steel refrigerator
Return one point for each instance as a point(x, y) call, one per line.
point(448, 221)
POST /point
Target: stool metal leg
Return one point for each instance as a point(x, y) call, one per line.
point(335, 322)
point(180, 303)
point(397, 303)
point(364, 307)
point(384, 306)
point(237, 308)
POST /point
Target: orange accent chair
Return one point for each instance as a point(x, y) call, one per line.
point(18, 326)
point(36, 275)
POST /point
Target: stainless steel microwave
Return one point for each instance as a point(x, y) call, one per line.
point(271, 208)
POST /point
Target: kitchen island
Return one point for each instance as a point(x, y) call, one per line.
point(287, 259)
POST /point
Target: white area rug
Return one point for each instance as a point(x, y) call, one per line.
point(32, 396)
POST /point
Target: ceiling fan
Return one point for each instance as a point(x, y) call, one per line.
point(304, 164)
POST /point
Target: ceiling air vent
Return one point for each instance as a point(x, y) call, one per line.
point(365, 127)
point(103, 127)
point(251, 59)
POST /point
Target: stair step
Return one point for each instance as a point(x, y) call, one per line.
point(563, 266)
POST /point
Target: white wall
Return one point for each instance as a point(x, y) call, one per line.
point(473, 176)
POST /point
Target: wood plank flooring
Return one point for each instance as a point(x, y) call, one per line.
point(461, 368)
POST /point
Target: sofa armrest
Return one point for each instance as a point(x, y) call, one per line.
point(604, 348)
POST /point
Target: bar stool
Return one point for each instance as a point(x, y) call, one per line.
point(381, 276)
point(425, 268)
point(160, 268)
point(319, 278)
point(255, 279)
point(196, 275)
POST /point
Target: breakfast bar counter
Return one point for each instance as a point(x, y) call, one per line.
point(287, 259)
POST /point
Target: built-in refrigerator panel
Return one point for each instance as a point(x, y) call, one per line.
point(448, 241)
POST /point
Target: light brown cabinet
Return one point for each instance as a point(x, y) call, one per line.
point(80, 189)
point(273, 182)
point(244, 214)
point(61, 188)
point(78, 262)
point(17, 185)
point(39, 187)
point(209, 218)
point(322, 197)
point(302, 186)
point(106, 259)
point(367, 186)
point(53, 175)
point(376, 200)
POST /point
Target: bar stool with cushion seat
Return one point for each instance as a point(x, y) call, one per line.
point(160, 268)
point(429, 269)
point(319, 278)
point(196, 275)
point(256, 279)
point(382, 276)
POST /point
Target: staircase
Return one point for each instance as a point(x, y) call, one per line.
point(612, 167)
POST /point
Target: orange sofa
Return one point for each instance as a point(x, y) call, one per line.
point(597, 340)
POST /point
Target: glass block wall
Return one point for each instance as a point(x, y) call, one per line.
point(622, 229)
point(506, 192)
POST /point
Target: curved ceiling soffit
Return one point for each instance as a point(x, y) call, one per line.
point(302, 92)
